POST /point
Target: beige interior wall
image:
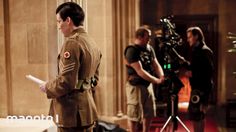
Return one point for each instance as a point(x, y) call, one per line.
point(3, 93)
point(99, 20)
point(31, 45)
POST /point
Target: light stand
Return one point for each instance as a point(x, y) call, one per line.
point(173, 116)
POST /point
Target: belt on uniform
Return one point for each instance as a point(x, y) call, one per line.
point(79, 84)
point(84, 84)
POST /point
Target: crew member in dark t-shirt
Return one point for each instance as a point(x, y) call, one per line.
point(144, 54)
point(141, 66)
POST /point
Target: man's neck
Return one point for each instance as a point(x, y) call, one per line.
point(72, 29)
point(138, 42)
point(75, 28)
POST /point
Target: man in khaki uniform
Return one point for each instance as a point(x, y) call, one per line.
point(78, 64)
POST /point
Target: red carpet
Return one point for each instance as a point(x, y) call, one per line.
point(157, 123)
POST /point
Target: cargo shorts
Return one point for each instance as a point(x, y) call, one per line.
point(140, 102)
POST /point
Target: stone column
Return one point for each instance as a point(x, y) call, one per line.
point(4, 62)
point(125, 21)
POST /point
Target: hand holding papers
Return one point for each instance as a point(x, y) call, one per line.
point(34, 79)
point(41, 83)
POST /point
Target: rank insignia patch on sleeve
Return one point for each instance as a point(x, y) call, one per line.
point(67, 55)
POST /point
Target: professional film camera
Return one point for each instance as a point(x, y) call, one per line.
point(170, 37)
point(171, 61)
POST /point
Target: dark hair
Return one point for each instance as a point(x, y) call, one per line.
point(72, 10)
point(196, 31)
point(141, 32)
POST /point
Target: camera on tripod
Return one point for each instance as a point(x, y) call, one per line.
point(170, 37)
point(170, 60)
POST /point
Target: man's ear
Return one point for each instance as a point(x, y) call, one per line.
point(68, 20)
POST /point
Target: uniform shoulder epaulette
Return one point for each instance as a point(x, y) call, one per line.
point(74, 36)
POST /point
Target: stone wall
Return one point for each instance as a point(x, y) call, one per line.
point(3, 77)
point(30, 33)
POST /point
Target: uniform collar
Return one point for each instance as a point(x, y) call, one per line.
point(80, 29)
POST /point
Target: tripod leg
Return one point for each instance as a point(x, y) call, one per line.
point(163, 128)
point(182, 124)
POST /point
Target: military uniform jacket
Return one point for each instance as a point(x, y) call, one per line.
point(78, 61)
